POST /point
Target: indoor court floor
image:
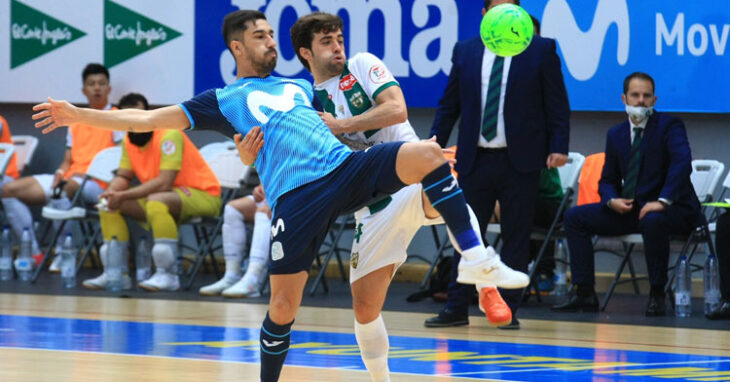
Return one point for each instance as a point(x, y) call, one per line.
point(79, 338)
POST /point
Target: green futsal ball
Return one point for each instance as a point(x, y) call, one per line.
point(506, 30)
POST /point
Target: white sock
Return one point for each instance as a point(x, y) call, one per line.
point(164, 255)
point(255, 272)
point(18, 215)
point(475, 253)
point(233, 235)
point(260, 240)
point(372, 338)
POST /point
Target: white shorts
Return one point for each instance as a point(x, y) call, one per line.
point(89, 194)
point(382, 238)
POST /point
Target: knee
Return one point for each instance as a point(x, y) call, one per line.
point(652, 222)
point(264, 208)
point(571, 217)
point(155, 208)
point(365, 311)
point(432, 152)
point(282, 309)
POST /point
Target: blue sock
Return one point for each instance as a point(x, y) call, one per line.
point(447, 198)
point(274, 346)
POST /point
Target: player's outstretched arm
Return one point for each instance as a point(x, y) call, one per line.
point(390, 109)
point(53, 114)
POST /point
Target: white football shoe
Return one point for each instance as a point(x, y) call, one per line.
point(161, 281)
point(246, 287)
point(491, 271)
point(101, 282)
point(219, 286)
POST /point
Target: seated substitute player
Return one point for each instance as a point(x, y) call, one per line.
point(251, 209)
point(175, 184)
point(83, 141)
point(364, 103)
point(301, 164)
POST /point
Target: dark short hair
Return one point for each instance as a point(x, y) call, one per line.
point(94, 68)
point(133, 99)
point(641, 76)
point(536, 24)
point(237, 21)
point(487, 3)
point(302, 32)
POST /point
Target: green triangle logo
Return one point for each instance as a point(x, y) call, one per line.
point(128, 33)
point(34, 33)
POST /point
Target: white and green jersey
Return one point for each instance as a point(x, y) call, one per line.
point(354, 93)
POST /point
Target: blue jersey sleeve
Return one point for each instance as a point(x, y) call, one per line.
point(204, 113)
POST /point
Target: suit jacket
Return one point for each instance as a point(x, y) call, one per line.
point(536, 109)
point(666, 164)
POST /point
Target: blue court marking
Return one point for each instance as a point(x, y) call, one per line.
point(412, 355)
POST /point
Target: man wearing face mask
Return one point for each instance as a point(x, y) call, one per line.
point(176, 184)
point(645, 188)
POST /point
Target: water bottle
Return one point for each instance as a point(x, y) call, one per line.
point(68, 262)
point(712, 284)
point(113, 268)
point(6, 256)
point(143, 260)
point(24, 262)
point(683, 289)
point(561, 277)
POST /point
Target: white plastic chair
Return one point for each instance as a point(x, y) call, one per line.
point(210, 150)
point(25, 146)
point(6, 153)
point(102, 168)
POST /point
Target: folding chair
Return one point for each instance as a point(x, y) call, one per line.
point(210, 150)
point(102, 168)
point(6, 153)
point(705, 178)
point(332, 248)
point(25, 146)
point(231, 173)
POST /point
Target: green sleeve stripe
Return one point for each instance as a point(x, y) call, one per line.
point(385, 86)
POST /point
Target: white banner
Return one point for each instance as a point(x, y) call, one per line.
point(148, 47)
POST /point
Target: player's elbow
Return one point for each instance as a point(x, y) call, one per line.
point(400, 114)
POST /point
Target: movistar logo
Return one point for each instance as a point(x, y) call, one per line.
point(128, 33)
point(34, 33)
point(582, 50)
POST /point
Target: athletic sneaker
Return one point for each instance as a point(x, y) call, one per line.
point(246, 287)
point(101, 281)
point(161, 281)
point(55, 264)
point(490, 270)
point(494, 307)
point(219, 286)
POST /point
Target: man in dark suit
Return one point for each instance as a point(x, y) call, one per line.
point(645, 187)
point(514, 122)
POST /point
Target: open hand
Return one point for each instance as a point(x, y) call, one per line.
point(250, 145)
point(53, 114)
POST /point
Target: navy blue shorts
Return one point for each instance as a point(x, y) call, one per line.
point(303, 215)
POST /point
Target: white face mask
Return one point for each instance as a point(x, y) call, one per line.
point(639, 113)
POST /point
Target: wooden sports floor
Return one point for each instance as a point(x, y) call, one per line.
point(72, 338)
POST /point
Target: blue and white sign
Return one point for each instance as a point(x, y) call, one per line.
point(681, 44)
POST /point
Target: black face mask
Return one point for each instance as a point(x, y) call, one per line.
point(139, 139)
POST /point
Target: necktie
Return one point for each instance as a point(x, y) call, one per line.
point(491, 106)
point(632, 171)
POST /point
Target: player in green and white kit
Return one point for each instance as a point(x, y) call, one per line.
point(363, 103)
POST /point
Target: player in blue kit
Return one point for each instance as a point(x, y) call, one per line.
point(310, 177)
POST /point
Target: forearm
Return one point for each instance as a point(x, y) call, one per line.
point(118, 184)
point(123, 120)
point(383, 115)
point(144, 189)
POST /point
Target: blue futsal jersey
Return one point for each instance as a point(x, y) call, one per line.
point(298, 147)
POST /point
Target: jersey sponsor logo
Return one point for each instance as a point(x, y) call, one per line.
point(582, 50)
point(347, 82)
point(353, 259)
point(279, 225)
point(277, 251)
point(271, 344)
point(450, 187)
point(378, 74)
point(168, 147)
point(283, 103)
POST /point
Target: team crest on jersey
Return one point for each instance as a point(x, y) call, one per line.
point(378, 74)
point(168, 147)
point(353, 259)
point(277, 251)
point(341, 109)
point(357, 100)
point(347, 82)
